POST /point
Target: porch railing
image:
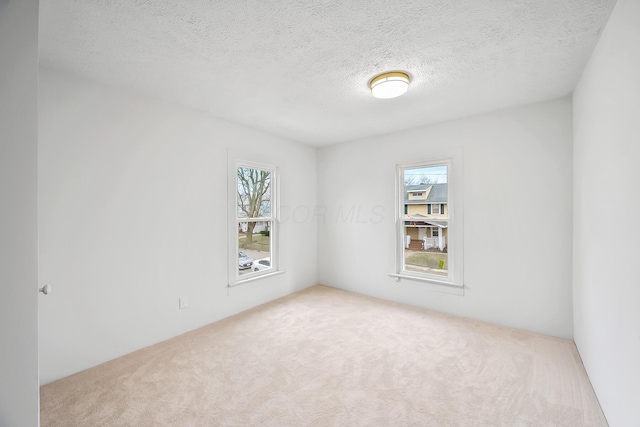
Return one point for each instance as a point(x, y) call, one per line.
point(433, 242)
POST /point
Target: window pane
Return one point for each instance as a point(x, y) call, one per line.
point(254, 246)
point(254, 193)
point(425, 223)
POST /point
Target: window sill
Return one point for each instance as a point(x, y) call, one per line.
point(433, 284)
point(254, 278)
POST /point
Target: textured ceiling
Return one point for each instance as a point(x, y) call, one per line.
point(300, 69)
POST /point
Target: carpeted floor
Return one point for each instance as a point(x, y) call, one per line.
point(325, 357)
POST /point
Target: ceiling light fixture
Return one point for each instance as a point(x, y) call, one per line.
point(389, 85)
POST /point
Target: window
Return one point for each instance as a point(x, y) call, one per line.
point(417, 194)
point(429, 248)
point(256, 224)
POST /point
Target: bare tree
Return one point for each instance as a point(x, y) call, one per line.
point(254, 196)
point(410, 180)
point(417, 180)
point(426, 180)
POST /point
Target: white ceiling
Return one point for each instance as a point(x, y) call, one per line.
point(300, 69)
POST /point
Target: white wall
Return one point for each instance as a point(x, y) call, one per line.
point(607, 216)
point(133, 215)
point(517, 215)
point(18, 213)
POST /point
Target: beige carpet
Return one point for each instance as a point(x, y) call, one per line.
point(324, 357)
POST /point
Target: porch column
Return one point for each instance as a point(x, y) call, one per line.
point(440, 232)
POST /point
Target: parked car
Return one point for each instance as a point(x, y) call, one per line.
point(244, 261)
point(262, 264)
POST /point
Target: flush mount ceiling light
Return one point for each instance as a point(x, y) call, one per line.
point(389, 85)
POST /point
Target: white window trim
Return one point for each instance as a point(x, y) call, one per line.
point(250, 278)
point(432, 284)
point(455, 228)
point(234, 277)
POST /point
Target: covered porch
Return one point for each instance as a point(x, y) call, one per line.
point(423, 234)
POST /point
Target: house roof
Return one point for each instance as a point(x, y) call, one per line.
point(420, 187)
point(438, 194)
point(425, 221)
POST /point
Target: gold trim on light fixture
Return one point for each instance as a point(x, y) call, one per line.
point(389, 85)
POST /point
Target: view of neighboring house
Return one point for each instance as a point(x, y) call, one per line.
point(259, 227)
point(426, 216)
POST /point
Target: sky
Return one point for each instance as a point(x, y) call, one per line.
point(437, 174)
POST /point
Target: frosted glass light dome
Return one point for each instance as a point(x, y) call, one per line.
point(389, 85)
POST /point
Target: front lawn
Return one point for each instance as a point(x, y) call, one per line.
point(427, 259)
point(259, 243)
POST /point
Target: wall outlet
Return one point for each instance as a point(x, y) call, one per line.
point(183, 302)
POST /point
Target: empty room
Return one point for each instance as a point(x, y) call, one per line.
point(382, 213)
